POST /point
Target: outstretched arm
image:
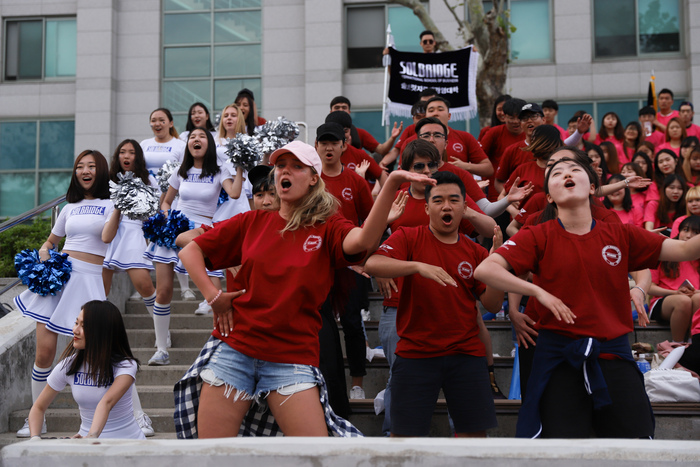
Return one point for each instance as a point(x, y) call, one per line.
point(382, 266)
point(36, 414)
point(121, 384)
point(678, 250)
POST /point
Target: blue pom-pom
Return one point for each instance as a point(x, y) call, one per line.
point(163, 230)
point(43, 278)
point(223, 197)
point(152, 227)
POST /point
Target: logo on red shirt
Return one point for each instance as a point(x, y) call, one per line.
point(612, 255)
point(312, 243)
point(347, 194)
point(465, 270)
point(458, 147)
point(351, 165)
point(385, 247)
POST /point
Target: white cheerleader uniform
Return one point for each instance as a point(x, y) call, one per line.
point(128, 246)
point(198, 198)
point(121, 423)
point(82, 224)
point(157, 154)
point(231, 206)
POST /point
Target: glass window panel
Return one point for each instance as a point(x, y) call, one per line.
point(614, 28)
point(11, 49)
point(186, 5)
point(659, 29)
point(53, 185)
point(180, 122)
point(225, 91)
point(180, 62)
point(56, 145)
point(566, 111)
point(627, 111)
point(365, 37)
point(406, 28)
point(18, 146)
point(30, 43)
point(236, 60)
point(229, 4)
point(474, 127)
point(179, 95)
point(16, 193)
point(238, 26)
point(60, 48)
point(187, 29)
point(528, 43)
point(372, 122)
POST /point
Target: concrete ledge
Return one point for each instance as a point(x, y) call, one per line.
point(334, 452)
point(17, 346)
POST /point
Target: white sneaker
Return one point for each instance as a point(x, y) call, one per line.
point(357, 393)
point(365, 315)
point(135, 296)
point(145, 424)
point(188, 294)
point(168, 344)
point(203, 309)
point(24, 431)
point(160, 358)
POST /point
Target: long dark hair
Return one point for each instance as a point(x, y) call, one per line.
point(613, 160)
point(139, 168)
point(494, 118)
point(666, 206)
point(640, 134)
point(626, 200)
point(649, 173)
point(190, 126)
point(251, 121)
point(588, 147)
point(671, 269)
point(618, 131)
point(100, 187)
point(580, 158)
point(106, 343)
point(659, 176)
point(209, 164)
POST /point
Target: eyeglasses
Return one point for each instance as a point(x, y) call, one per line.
point(428, 41)
point(419, 166)
point(435, 136)
point(529, 117)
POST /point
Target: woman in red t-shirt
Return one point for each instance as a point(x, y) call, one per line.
point(581, 269)
point(620, 202)
point(669, 206)
point(634, 135)
point(675, 134)
point(287, 260)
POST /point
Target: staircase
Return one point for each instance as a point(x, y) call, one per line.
point(189, 332)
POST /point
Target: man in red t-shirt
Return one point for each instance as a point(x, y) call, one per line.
point(687, 112)
point(439, 346)
point(647, 117)
point(362, 138)
point(665, 113)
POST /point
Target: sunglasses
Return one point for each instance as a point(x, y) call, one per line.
point(418, 166)
point(428, 41)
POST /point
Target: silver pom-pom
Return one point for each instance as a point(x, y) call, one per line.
point(244, 151)
point(164, 174)
point(276, 133)
point(135, 199)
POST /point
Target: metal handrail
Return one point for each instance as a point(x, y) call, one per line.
point(24, 217)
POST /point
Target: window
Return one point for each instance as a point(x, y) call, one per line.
point(366, 33)
point(40, 49)
point(629, 28)
point(529, 43)
point(36, 162)
point(211, 50)
point(628, 110)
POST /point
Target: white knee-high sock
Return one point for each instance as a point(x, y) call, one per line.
point(149, 302)
point(184, 280)
point(161, 323)
point(39, 376)
point(136, 401)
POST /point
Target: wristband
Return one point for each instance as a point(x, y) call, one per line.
point(638, 287)
point(627, 182)
point(215, 298)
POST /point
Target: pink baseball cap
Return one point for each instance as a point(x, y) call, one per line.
point(302, 151)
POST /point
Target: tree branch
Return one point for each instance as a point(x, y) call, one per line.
point(420, 11)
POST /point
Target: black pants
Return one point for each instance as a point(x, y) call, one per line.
point(331, 362)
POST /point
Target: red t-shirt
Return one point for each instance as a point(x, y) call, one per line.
point(664, 119)
point(460, 144)
point(352, 192)
point(656, 138)
point(513, 156)
point(562, 132)
point(433, 320)
point(409, 131)
point(286, 277)
point(414, 216)
point(482, 133)
point(667, 145)
point(634, 216)
point(528, 172)
point(530, 213)
point(587, 272)
point(495, 142)
point(473, 190)
point(650, 215)
point(693, 130)
point(353, 157)
point(367, 140)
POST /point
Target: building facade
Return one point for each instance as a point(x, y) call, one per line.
point(83, 74)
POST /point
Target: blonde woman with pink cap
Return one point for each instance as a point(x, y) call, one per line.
point(268, 329)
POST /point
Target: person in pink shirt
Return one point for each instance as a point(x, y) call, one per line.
point(647, 117)
point(673, 288)
point(675, 134)
point(687, 146)
point(665, 113)
point(665, 164)
point(686, 113)
point(692, 208)
point(611, 153)
point(634, 135)
point(638, 195)
point(610, 130)
point(671, 204)
point(691, 167)
point(620, 202)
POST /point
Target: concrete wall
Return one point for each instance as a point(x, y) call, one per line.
point(335, 452)
point(17, 344)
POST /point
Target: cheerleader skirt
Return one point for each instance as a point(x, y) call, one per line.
point(59, 312)
point(127, 249)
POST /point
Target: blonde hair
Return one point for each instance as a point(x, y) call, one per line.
point(240, 122)
point(687, 170)
point(693, 193)
point(317, 206)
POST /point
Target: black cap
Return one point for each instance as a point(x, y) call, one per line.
point(330, 132)
point(341, 117)
point(258, 173)
point(530, 108)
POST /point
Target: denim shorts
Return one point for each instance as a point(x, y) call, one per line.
point(253, 378)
